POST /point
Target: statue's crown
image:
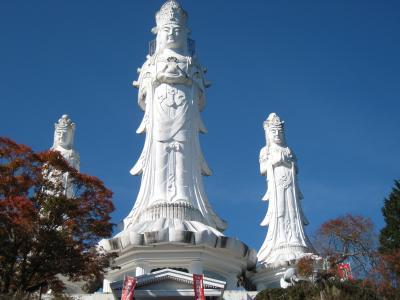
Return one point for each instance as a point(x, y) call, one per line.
point(171, 12)
point(273, 121)
point(64, 123)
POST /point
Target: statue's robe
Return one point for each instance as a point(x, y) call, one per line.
point(286, 238)
point(171, 92)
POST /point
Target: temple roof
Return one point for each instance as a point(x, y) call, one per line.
point(148, 285)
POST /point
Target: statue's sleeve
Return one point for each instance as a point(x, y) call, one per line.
point(263, 161)
point(296, 171)
point(144, 83)
point(197, 75)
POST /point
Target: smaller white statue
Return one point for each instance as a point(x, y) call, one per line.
point(286, 239)
point(64, 131)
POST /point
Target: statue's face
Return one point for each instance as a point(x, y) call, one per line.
point(172, 36)
point(275, 135)
point(64, 138)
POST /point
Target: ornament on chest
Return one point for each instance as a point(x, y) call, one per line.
point(280, 155)
point(170, 96)
point(173, 71)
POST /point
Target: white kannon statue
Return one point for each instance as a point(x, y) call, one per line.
point(286, 239)
point(171, 93)
point(64, 131)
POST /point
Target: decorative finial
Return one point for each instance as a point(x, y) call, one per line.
point(64, 122)
point(273, 121)
point(170, 13)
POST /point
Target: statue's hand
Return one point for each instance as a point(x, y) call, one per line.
point(275, 158)
point(286, 157)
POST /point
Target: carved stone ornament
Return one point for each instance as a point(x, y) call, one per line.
point(286, 239)
point(172, 223)
point(64, 131)
point(171, 93)
point(171, 12)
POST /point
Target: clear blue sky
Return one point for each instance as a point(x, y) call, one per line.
point(330, 69)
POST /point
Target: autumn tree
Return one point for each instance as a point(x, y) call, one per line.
point(348, 238)
point(43, 233)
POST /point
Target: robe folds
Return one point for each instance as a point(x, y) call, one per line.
point(285, 219)
point(171, 93)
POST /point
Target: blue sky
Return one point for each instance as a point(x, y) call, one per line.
point(330, 69)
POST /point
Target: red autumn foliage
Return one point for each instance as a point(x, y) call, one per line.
point(43, 233)
point(348, 238)
point(392, 260)
point(305, 266)
point(387, 268)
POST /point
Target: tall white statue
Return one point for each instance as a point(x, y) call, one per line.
point(64, 131)
point(171, 93)
point(286, 239)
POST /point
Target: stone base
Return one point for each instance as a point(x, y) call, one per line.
point(227, 295)
point(161, 230)
point(281, 274)
point(285, 253)
point(175, 211)
point(265, 278)
point(219, 257)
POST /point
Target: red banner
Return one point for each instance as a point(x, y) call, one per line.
point(344, 271)
point(128, 289)
point(198, 286)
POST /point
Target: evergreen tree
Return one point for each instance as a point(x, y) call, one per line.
point(390, 234)
point(390, 238)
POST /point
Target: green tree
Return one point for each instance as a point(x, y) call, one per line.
point(43, 233)
point(390, 235)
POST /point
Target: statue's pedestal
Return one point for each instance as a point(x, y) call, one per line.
point(282, 274)
point(217, 257)
point(265, 277)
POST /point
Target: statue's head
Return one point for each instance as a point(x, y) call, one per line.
point(274, 130)
point(64, 131)
point(171, 29)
